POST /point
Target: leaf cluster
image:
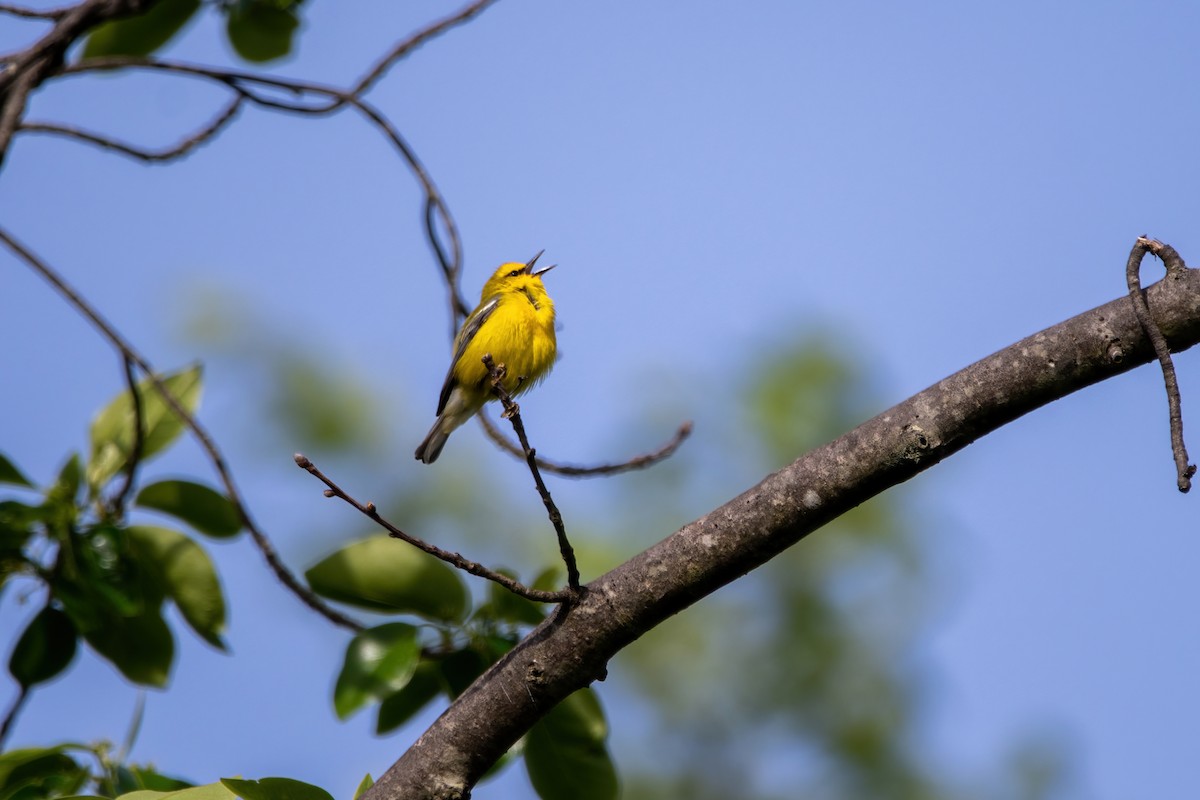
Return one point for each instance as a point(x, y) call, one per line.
point(101, 579)
point(258, 30)
point(402, 667)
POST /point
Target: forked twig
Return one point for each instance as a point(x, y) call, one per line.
point(453, 559)
point(1174, 264)
point(513, 413)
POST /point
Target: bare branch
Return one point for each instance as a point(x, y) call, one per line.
point(126, 349)
point(1175, 268)
point(513, 413)
point(183, 148)
point(453, 559)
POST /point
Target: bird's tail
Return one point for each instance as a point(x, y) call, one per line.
point(431, 447)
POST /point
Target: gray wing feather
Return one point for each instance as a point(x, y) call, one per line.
point(470, 327)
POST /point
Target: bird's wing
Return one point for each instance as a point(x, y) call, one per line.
point(470, 327)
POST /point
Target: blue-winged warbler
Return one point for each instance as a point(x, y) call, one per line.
point(514, 322)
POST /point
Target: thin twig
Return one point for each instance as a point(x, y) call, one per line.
point(513, 413)
point(454, 559)
point(135, 452)
point(202, 436)
point(1174, 263)
point(11, 717)
point(576, 471)
point(419, 38)
point(183, 148)
point(32, 13)
point(451, 265)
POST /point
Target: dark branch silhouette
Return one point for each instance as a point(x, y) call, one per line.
point(139, 437)
point(513, 413)
point(579, 471)
point(183, 148)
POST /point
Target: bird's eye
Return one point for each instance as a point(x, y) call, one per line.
point(514, 273)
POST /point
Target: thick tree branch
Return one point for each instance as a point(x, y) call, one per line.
point(572, 648)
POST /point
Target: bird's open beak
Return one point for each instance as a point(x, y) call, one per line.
point(531, 262)
point(529, 267)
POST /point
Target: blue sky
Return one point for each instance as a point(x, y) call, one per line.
point(934, 182)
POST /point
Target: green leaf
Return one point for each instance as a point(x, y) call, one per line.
point(44, 649)
point(65, 489)
point(210, 791)
point(186, 575)
point(399, 707)
point(17, 521)
point(140, 647)
point(112, 429)
point(142, 34)
point(205, 509)
point(366, 783)
point(383, 574)
point(565, 754)
point(38, 772)
point(275, 789)
point(134, 778)
point(102, 577)
point(16, 515)
point(10, 474)
point(379, 661)
point(60, 508)
point(261, 31)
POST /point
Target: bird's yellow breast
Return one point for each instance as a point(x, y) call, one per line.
point(519, 334)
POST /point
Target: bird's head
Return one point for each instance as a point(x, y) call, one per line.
point(514, 277)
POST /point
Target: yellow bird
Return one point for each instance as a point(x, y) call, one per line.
point(514, 322)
